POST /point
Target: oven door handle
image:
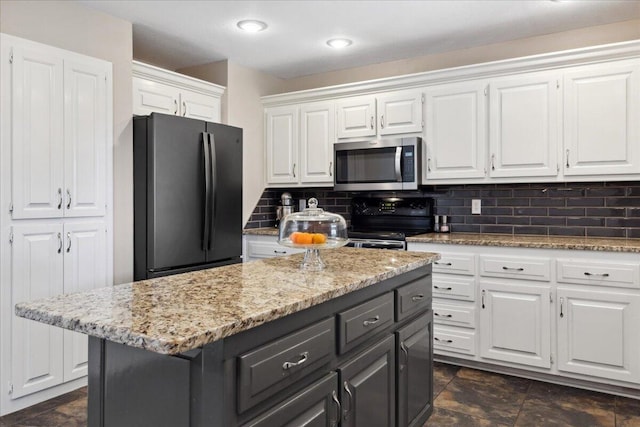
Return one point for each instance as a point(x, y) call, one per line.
point(398, 163)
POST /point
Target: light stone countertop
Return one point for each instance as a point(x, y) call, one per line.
point(529, 241)
point(178, 313)
point(508, 240)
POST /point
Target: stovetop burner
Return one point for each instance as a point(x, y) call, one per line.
point(378, 235)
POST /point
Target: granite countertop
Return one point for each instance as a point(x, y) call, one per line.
point(178, 313)
point(508, 240)
point(528, 241)
point(264, 231)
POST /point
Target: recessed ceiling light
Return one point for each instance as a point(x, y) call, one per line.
point(339, 43)
point(251, 25)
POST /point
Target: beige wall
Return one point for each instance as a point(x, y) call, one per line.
point(591, 36)
point(242, 108)
point(72, 26)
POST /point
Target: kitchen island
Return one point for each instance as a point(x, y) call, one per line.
point(260, 343)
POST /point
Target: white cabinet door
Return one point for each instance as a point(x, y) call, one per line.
point(456, 131)
point(317, 136)
point(153, 97)
point(85, 268)
point(515, 323)
point(85, 135)
point(524, 125)
point(357, 117)
point(598, 334)
point(198, 106)
point(601, 119)
point(400, 112)
point(36, 349)
point(37, 139)
point(282, 145)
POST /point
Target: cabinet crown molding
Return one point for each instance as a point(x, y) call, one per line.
point(171, 78)
point(545, 61)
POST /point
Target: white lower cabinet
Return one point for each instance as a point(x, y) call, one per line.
point(571, 316)
point(515, 323)
point(260, 246)
point(48, 260)
point(598, 333)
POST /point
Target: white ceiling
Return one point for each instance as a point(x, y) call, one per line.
point(176, 34)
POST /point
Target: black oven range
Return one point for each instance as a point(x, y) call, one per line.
point(385, 222)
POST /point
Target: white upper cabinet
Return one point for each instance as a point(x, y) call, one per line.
point(156, 90)
point(37, 77)
point(388, 113)
point(456, 116)
point(282, 142)
point(400, 112)
point(317, 136)
point(602, 119)
point(299, 144)
point(523, 126)
point(357, 117)
point(60, 135)
point(85, 135)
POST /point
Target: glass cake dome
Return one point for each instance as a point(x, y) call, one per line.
point(313, 229)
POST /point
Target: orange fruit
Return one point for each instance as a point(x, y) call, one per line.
point(305, 238)
point(295, 236)
point(319, 238)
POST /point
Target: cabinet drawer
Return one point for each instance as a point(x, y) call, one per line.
point(413, 297)
point(624, 275)
point(268, 250)
point(454, 287)
point(455, 264)
point(454, 314)
point(273, 367)
point(527, 268)
point(454, 340)
point(361, 322)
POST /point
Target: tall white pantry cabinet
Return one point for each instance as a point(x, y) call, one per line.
point(56, 227)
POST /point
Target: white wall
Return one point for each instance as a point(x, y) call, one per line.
point(72, 26)
point(584, 37)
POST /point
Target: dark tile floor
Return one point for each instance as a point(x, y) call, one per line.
point(463, 398)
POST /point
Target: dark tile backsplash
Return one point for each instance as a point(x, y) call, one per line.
point(609, 209)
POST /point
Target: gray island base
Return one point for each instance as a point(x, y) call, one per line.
point(358, 353)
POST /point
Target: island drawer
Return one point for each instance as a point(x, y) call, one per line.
point(363, 321)
point(528, 268)
point(274, 366)
point(413, 297)
point(455, 264)
point(583, 272)
point(461, 314)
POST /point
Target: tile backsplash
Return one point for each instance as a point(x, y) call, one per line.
point(595, 209)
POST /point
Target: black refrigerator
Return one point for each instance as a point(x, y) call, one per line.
point(187, 195)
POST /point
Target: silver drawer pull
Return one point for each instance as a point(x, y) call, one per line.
point(417, 297)
point(447, 341)
point(443, 315)
point(586, 273)
point(303, 358)
point(442, 289)
point(371, 321)
point(513, 268)
point(443, 263)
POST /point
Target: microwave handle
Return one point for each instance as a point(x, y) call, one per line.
point(398, 164)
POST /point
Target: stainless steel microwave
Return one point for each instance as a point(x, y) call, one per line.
point(386, 164)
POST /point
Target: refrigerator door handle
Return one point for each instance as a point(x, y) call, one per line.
point(212, 189)
point(205, 210)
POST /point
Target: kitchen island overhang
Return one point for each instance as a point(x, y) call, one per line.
point(168, 350)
